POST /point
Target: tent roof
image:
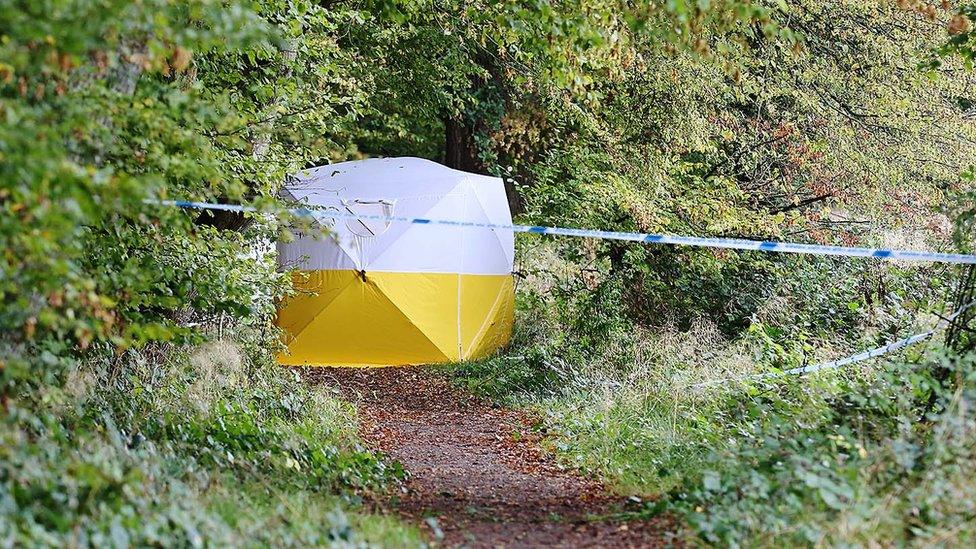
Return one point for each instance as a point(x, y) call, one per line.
point(402, 187)
point(375, 179)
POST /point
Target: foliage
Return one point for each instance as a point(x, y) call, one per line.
point(651, 408)
point(206, 448)
point(836, 137)
point(856, 462)
point(84, 139)
point(837, 142)
point(834, 122)
point(104, 104)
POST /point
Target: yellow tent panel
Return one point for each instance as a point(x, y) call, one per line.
point(395, 318)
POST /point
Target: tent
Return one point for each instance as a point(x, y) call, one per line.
point(379, 292)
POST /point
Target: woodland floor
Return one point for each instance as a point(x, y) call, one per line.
point(478, 470)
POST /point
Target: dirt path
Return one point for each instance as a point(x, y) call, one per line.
point(476, 469)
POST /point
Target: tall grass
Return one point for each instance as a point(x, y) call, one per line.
point(205, 445)
point(851, 457)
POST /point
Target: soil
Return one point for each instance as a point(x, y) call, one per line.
point(478, 476)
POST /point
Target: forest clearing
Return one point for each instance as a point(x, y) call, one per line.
point(445, 273)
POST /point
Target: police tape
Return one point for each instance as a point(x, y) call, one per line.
point(647, 238)
point(726, 243)
point(834, 364)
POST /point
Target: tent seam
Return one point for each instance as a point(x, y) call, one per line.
point(460, 351)
point(492, 310)
point(484, 210)
point(424, 213)
point(408, 318)
point(318, 314)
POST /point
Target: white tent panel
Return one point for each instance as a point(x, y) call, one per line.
point(402, 187)
point(374, 179)
point(423, 248)
point(489, 195)
point(309, 254)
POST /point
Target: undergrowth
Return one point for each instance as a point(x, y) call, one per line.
point(875, 454)
point(196, 446)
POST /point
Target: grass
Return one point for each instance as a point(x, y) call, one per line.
point(847, 459)
point(274, 518)
point(874, 455)
point(641, 428)
point(206, 445)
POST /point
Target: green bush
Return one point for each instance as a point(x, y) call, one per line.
point(844, 461)
point(188, 448)
point(652, 405)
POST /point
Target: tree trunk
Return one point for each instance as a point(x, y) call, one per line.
point(959, 336)
point(461, 153)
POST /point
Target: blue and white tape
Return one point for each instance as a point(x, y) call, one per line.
point(834, 364)
point(726, 243)
point(648, 238)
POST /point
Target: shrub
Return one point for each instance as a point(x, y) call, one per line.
point(188, 446)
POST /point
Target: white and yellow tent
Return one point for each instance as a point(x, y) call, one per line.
point(379, 293)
